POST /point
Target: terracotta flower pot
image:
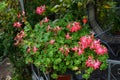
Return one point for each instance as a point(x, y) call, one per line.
point(64, 77)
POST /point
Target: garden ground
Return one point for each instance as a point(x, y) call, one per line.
point(6, 71)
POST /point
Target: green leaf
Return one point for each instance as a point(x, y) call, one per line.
point(77, 62)
point(58, 60)
point(28, 60)
point(54, 76)
point(79, 4)
point(50, 54)
point(2, 6)
point(48, 61)
point(46, 37)
point(27, 27)
point(55, 67)
point(89, 70)
point(86, 76)
point(67, 62)
point(37, 63)
point(103, 66)
point(103, 58)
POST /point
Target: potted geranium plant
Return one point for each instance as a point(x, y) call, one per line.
point(55, 46)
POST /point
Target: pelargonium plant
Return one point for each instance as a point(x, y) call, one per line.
point(55, 46)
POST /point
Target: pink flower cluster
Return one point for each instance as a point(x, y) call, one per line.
point(19, 37)
point(55, 29)
point(95, 64)
point(52, 41)
point(17, 24)
point(85, 41)
point(75, 26)
point(67, 36)
point(40, 10)
point(18, 15)
point(78, 49)
point(45, 20)
point(84, 20)
point(65, 50)
point(98, 48)
point(34, 49)
point(90, 42)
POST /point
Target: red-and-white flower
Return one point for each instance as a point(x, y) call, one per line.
point(68, 26)
point(101, 50)
point(67, 36)
point(19, 37)
point(90, 62)
point(61, 49)
point(18, 15)
point(75, 49)
point(57, 28)
point(17, 24)
point(80, 51)
point(95, 44)
point(35, 49)
point(45, 20)
point(52, 41)
point(40, 10)
point(84, 20)
point(67, 50)
point(48, 28)
point(28, 49)
point(75, 27)
point(96, 64)
point(16, 43)
point(85, 41)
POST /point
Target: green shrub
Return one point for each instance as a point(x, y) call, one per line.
point(8, 10)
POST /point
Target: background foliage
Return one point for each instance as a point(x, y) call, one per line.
point(8, 10)
point(55, 9)
point(8, 15)
point(108, 15)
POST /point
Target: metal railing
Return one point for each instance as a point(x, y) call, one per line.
point(104, 38)
point(38, 75)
